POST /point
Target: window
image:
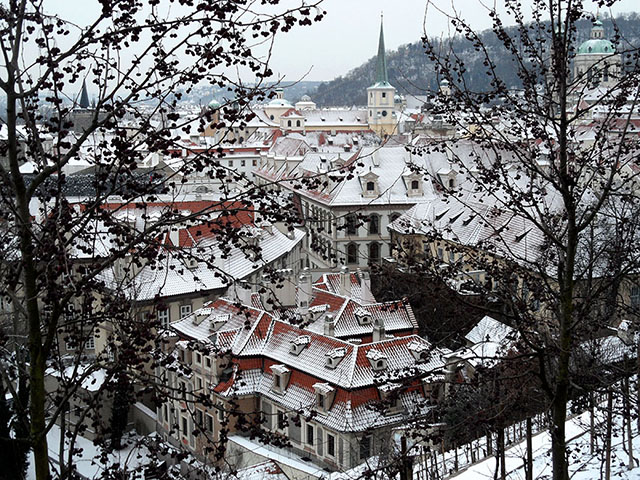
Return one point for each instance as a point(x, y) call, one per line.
point(289, 123)
point(321, 401)
point(207, 362)
point(90, 344)
point(281, 420)
point(635, 297)
point(199, 417)
point(310, 434)
point(163, 317)
point(243, 163)
point(297, 123)
point(185, 310)
point(185, 424)
point(183, 389)
point(231, 163)
point(277, 382)
point(331, 445)
point(384, 113)
point(440, 253)
point(220, 407)
point(165, 412)
point(352, 225)
point(370, 113)
point(199, 384)
point(352, 253)
point(209, 423)
point(384, 94)
point(255, 162)
point(365, 447)
point(271, 117)
point(452, 183)
point(374, 253)
point(415, 185)
point(371, 186)
point(198, 358)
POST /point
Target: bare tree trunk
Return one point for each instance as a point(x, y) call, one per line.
point(607, 467)
point(501, 454)
point(529, 464)
point(592, 425)
point(627, 419)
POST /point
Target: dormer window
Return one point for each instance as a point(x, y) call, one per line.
point(281, 376)
point(390, 394)
point(419, 350)
point(325, 394)
point(299, 344)
point(415, 184)
point(377, 359)
point(363, 316)
point(334, 357)
point(369, 183)
point(218, 321)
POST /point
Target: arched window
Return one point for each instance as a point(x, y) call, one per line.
point(415, 185)
point(352, 224)
point(288, 123)
point(352, 253)
point(374, 253)
point(451, 183)
point(374, 224)
point(271, 117)
point(297, 123)
point(371, 186)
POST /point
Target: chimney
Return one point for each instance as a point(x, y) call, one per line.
point(174, 236)
point(267, 294)
point(365, 285)
point(243, 292)
point(304, 291)
point(379, 332)
point(345, 282)
point(329, 325)
point(287, 294)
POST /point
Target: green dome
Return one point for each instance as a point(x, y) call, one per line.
point(280, 102)
point(214, 104)
point(597, 45)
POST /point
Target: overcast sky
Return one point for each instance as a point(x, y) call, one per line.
point(348, 35)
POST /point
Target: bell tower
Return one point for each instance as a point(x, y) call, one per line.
point(380, 96)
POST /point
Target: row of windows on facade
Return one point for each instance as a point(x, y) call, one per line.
point(243, 162)
point(319, 439)
point(373, 223)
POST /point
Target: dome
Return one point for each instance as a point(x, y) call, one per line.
point(597, 46)
point(305, 98)
point(214, 104)
point(280, 102)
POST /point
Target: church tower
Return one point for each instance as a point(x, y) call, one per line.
point(380, 96)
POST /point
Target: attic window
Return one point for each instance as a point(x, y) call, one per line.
point(371, 186)
point(324, 396)
point(193, 264)
point(415, 185)
point(363, 316)
point(377, 359)
point(521, 236)
point(440, 215)
point(419, 350)
point(218, 321)
point(280, 377)
point(299, 344)
point(334, 357)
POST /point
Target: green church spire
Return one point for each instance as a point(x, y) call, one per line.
point(84, 96)
point(381, 66)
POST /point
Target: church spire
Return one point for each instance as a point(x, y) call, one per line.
point(381, 66)
point(84, 96)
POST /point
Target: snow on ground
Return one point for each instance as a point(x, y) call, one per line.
point(583, 465)
point(87, 462)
